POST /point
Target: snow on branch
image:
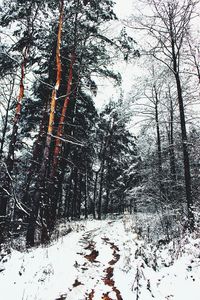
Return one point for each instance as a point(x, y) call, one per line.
point(70, 140)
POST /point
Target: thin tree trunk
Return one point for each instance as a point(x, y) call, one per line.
point(108, 179)
point(171, 144)
point(107, 199)
point(74, 200)
point(159, 151)
point(99, 210)
point(67, 199)
point(94, 195)
point(196, 60)
point(6, 119)
point(86, 193)
point(106, 143)
point(186, 159)
point(79, 198)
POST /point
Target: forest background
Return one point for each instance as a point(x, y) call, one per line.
point(63, 158)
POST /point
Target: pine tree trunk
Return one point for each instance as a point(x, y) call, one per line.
point(53, 178)
point(39, 195)
point(61, 125)
point(59, 134)
point(37, 150)
point(12, 145)
point(58, 142)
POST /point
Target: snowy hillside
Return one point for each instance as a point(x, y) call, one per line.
point(103, 260)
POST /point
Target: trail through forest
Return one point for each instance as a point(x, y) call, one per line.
point(104, 260)
point(95, 266)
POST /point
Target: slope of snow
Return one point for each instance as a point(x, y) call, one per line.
point(103, 260)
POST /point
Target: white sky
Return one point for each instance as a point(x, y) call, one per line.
point(123, 8)
point(106, 90)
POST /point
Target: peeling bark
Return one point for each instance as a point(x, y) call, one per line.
point(12, 145)
point(40, 199)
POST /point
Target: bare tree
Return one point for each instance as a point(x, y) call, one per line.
point(168, 27)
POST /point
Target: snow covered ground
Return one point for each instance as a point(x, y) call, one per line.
point(103, 260)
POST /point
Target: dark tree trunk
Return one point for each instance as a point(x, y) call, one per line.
point(30, 235)
point(107, 200)
point(94, 195)
point(86, 194)
point(75, 188)
point(37, 150)
point(108, 179)
point(40, 198)
point(159, 151)
point(171, 144)
point(67, 200)
point(79, 198)
point(186, 160)
point(99, 209)
point(6, 190)
point(6, 120)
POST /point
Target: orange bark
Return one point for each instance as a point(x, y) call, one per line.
point(58, 59)
point(21, 88)
point(58, 79)
point(10, 158)
point(63, 115)
point(38, 200)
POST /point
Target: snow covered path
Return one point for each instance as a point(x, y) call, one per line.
point(102, 260)
point(95, 267)
point(82, 265)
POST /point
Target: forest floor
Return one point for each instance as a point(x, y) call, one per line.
point(103, 260)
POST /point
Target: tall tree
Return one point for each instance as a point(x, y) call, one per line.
point(169, 31)
point(117, 153)
point(22, 46)
point(77, 39)
point(46, 154)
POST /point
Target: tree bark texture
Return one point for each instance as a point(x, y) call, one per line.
point(186, 160)
point(39, 196)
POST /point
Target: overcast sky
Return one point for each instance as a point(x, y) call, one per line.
point(123, 8)
point(106, 90)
